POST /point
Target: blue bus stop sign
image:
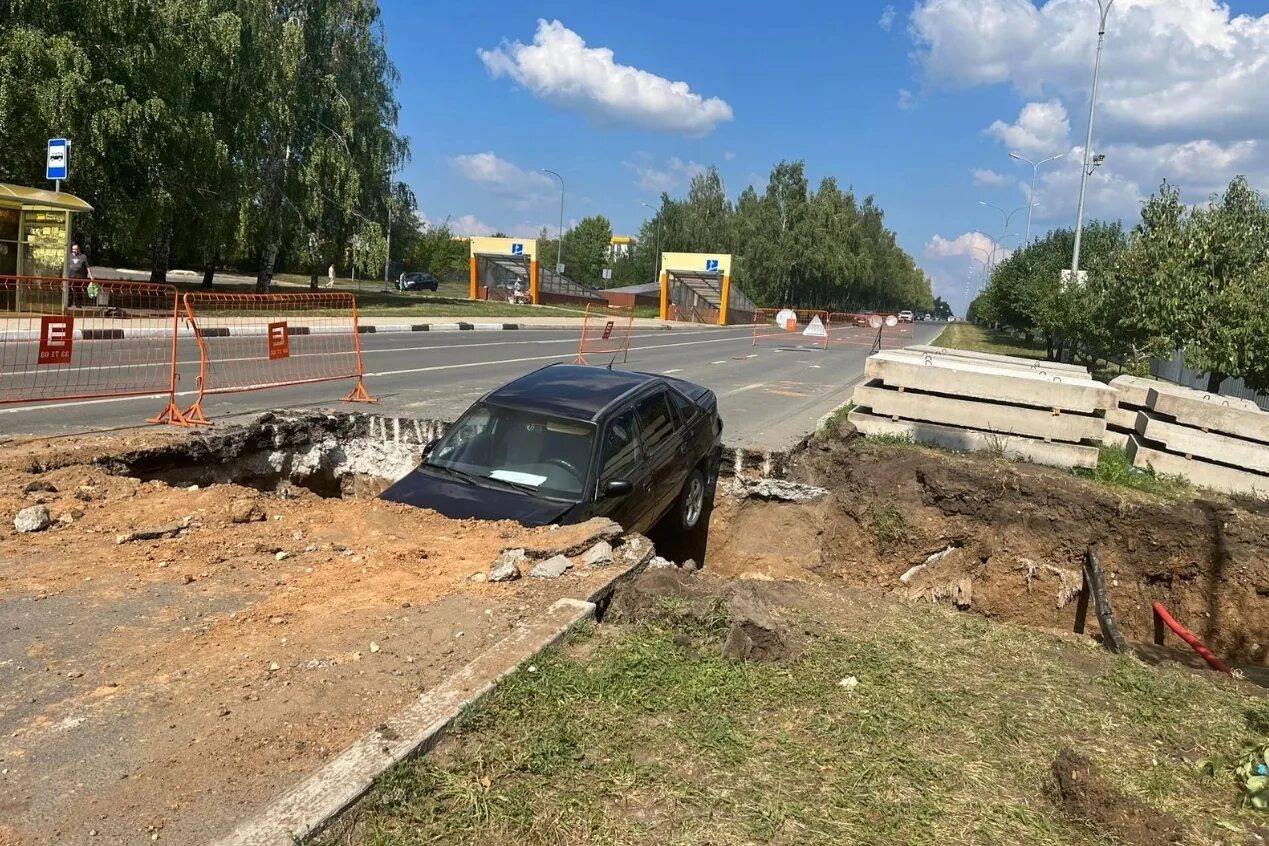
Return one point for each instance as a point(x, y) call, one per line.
point(517, 249)
point(58, 159)
point(711, 264)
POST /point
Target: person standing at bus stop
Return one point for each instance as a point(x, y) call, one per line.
point(77, 269)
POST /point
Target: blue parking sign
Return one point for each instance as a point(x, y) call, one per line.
point(517, 249)
point(711, 264)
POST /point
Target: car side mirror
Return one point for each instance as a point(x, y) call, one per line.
point(431, 445)
point(618, 488)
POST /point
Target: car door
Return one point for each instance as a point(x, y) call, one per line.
point(621, 458)
point(661, 442)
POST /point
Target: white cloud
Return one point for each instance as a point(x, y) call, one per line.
point(558, 68)
point(729, 155)
point(501, 177)
point(664, 179)
point(1172, 68)
point(1042, 129)
point(977, 247)
point(990, 178)
point(907, 100)
point(887, 18)
point(468, 225)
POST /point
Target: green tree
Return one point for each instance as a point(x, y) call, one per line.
point(585, 249)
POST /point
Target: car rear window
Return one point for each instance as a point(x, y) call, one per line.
point(655, 421)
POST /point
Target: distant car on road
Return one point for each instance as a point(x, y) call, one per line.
point(567, 443)
point(905, 317)
point(863, 318)
point(415, 281)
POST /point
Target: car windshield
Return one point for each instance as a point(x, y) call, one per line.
point(544, 455)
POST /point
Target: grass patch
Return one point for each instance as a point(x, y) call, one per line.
point(834, 421)
point(1114, 470)
point(646, 736)
point(968, 336)
point(888, 523)
point(890, 439)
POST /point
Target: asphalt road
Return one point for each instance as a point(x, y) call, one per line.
point(770, 395)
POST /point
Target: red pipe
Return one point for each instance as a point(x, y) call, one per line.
point(1195, 644)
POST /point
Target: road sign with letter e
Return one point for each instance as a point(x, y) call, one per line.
point(57, 337)
point(279, 341)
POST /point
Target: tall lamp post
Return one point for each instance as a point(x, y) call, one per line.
point(656, 263)
point(559, 245)
point(1035, 167)
point(1104, 7)
point(1007, 215)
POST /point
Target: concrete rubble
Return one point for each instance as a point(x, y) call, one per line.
point(507, 567)
point(1025, 410)
point(552, 568)
point(32, 519)
point(775, 490)
point(599, 555)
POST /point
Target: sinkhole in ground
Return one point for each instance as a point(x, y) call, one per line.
point(352, 456)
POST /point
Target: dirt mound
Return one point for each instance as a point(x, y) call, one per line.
point(1087, 798)
point(1008, 541)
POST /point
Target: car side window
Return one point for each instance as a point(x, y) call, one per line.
point(656, 421)
point(621, 448)
point(685, 407)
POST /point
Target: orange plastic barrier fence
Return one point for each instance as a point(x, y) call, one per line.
point(868, 329)
point(801, 327)
point(248, 342)
point(72, 339)
point(606, 330)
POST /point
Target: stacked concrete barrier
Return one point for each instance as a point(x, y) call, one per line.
point(1132, 395)
point(1215, 442)
point(1026, 410)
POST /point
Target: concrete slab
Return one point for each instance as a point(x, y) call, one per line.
point(1216, 477)
point(1116, 438)
point(1210, 416)
point(314, 802)
point(1196, 443)
point(985, 381)
point(1135, 390)
point(1013, 360)
point(984, 416)
point(1122, 418)
point(1061, 455)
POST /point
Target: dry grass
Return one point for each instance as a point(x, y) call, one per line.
point(644, 735)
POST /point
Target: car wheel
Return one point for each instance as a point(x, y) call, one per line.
point(692, 501)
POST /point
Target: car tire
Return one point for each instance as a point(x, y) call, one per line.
point(692, 507)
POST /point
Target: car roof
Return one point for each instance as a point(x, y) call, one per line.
point(571, 391)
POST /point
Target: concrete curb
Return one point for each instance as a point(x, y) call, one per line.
point(310, 805)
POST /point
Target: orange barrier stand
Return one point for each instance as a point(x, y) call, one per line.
point(606, 330)
point(74, 339)
point(801, 327)
point(249, 342)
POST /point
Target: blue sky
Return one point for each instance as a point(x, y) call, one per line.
point(918, 103)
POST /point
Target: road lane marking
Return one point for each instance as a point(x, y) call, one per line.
point(462, 366)
point(735, 391)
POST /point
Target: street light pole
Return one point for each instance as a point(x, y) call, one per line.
point(1035, 167)
point(656, 263)
point(1104, 7)
point(1007, 215)
point(559, 245)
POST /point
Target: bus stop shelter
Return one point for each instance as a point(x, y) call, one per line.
point(35, 230)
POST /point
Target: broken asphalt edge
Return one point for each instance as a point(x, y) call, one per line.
point(323, 795)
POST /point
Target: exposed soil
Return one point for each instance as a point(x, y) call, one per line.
point(172, 686)
point(1013, 539)
point(1084, 795)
